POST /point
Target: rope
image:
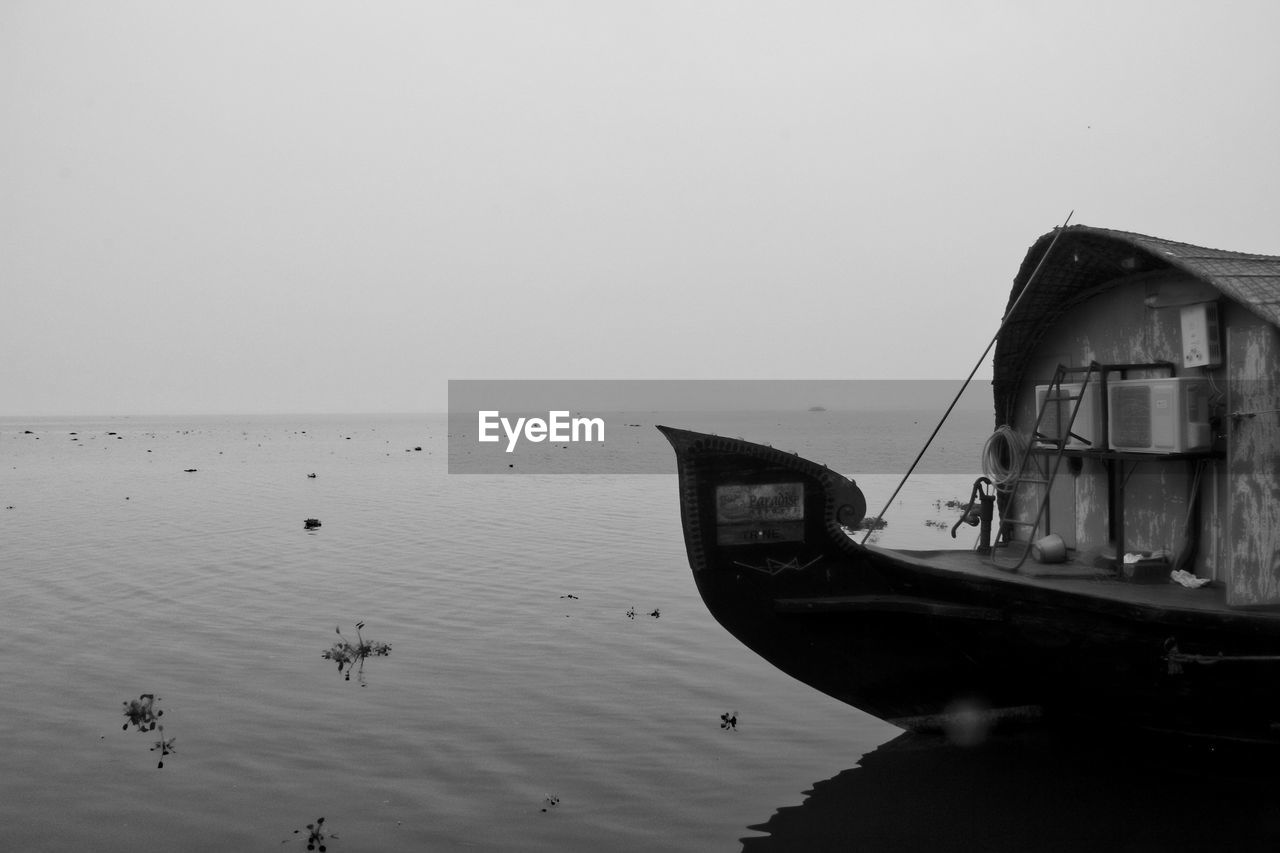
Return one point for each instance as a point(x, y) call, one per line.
point(1003, 322)
point(1000, 455)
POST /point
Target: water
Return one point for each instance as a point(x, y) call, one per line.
point(521, 707)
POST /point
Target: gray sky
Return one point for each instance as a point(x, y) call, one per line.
point(320, 206)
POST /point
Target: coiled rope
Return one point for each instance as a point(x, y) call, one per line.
point(1001, 453)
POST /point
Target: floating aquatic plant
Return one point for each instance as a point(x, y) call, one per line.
point(550, 801)
point(165, 747)
point(729, 721)
point(352, 655)
point(315, 835)
point(971, 513)
point(142, 713)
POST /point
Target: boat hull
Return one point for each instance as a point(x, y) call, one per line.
point(941, 640)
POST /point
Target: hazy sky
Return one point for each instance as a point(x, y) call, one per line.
point(336, 207)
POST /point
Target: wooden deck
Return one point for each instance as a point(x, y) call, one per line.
point(1163, 597)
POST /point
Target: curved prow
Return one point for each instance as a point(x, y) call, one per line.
point(738, 494)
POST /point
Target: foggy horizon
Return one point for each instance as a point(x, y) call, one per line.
point(319, 208)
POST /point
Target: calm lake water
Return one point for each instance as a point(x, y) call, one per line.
point(554, 681)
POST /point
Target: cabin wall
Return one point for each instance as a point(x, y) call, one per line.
point(1118, 327)
point(1253, 462)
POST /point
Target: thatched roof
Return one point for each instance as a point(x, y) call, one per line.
point(1085, 261)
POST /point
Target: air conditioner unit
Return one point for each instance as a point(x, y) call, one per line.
point(1057, 410)
point(1159, 415)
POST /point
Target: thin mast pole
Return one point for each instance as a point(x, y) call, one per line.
point(1004, 320)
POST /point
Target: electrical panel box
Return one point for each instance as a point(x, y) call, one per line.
point(1201, 341)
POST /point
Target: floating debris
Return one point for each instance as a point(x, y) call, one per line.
point(142, 713)
point(188, 470)
point(165, 747)
point(570, 595)
point(352, 655)
point(311, 523)
point(729, 721)
point(631, 613)
point(311, 476)
point(550, 801)
point(315, 835)
point(655, 613)
point(871, 522)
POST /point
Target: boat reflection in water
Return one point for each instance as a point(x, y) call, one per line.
point(1032, 792)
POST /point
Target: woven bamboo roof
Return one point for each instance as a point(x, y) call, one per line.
point(1086, 261)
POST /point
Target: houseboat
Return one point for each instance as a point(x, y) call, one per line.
point(1129, 572)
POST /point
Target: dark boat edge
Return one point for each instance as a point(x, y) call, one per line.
point(911, 639)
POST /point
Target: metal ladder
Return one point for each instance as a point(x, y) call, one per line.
point(1035, 470)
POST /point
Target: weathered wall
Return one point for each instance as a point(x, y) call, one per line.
point(1253, 451)
point(1116, 327)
